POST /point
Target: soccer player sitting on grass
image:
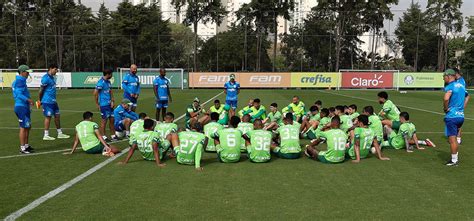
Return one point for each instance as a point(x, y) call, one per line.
point(194, 112)
point(390, 112)
point(191, 145)
point(210, 129)
point(124, 117)
point(165, 129)
point(228, 142)
point(258, 110)
point(244, 127)
point(405, 136)
point(222, 110)
point(323, 124)
point(362, 140)
point(346, 121)
point(137, 126)
point(336, 144)
point(274, 118)
point(246, 109)
point(332, 112)
point(87, 132)
point(310, 123)
point(375, 124)
point(289, 139)
point(296, 107)
point(353, 112)
point(258, 143)
point(148, 143)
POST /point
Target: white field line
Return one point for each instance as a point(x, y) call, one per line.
point(15, 215)
point(413, 108)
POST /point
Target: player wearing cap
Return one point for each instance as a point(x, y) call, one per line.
point(232, 89)
point(124, 117)
point(131, 86)
point(22, 107)
point(193, 113)
point(47, 98)
point(460, 79)
point(454, 102)
point(161, 88)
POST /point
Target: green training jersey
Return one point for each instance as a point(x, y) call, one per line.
point(354, 115)
point(191, 109)
point(275, 117)
point(217, 110)
point(336, 145)
point(210, 129)
point(224, 115)
point(346, 122)
point(229, 147)
point(259, 149)
point(289, 138)
point(259, 113)
point(323, 122)
point(144, 141)
point(135, 127)
point(86, 133)
point(397, 139)
point(391, 111)
point(375, 124)
point(365, 137)
point(314, 117)
point(164, 129)
point(244, 127)
point(190, 148)
point(297, 109)
point(244, 111)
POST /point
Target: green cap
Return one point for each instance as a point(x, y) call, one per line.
point(449, 72)
point(126, 101)
point(196, 99)
point(232, 76)
point(24, 68)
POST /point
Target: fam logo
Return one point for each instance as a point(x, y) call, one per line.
point(409, 80)
point(265, 79)
point(318, 79)
point(213, 78)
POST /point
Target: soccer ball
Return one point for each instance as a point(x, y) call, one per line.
point(119, 134)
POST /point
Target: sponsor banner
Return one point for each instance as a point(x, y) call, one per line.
point(420, 80)
point(63, 79)
point(89, 79)
point(7, 78)
point(315, 79)
point(147, 78)
point(367, 79)
point(246, 80)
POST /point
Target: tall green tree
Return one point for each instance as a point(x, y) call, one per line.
point(447, 15)
point(417, 38)
point(197, 11)
point(467, 60)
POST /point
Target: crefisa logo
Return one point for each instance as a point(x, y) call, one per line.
point(409, 80)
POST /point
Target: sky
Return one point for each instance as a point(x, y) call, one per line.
point(467, 9)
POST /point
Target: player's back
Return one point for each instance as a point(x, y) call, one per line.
point(86, 133)
point(244, 127)
point(289, 138)
point(210, 129)
point(259, 149)
point(135, 128)
point(336, 144)
point(391, 110)
point(365, 137)
point(190, 143)
point(230, 143)
point(144, 140)
point(346, 122)
point(375, 124)
point(164, 129)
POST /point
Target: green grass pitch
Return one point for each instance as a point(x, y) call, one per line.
point(415, 185)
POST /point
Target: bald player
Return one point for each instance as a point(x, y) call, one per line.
point(131, 86)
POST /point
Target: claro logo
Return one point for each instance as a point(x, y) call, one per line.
point(376, 81)
point(265, 79)
point(213, 78)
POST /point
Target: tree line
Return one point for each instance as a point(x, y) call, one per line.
point(77, 39)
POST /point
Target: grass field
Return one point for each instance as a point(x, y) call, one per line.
point(409, 186)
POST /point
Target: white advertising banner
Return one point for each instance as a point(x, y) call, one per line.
point(63, 79)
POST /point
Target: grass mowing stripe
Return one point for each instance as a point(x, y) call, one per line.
point(40, 110)
point(16, 128)
point(53, 193)
point(413, 108)
point(63, 187)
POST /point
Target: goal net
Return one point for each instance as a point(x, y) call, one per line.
point(369, 79)
point(147, 75)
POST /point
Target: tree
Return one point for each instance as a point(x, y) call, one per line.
point(467, 60)
point(417, 37)
point(204, 11)
point(445, 13)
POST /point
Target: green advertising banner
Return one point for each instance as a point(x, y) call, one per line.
point(420, 80)
point(89, 79)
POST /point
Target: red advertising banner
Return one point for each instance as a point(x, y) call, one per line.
point(367, 79)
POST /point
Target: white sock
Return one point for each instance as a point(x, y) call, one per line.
point(60, 131)
point(127, 132)
point(46, 133)
point(27, 145)
point(454, 157)
point(422, 142)
point(113, 136)
point(22, 147)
